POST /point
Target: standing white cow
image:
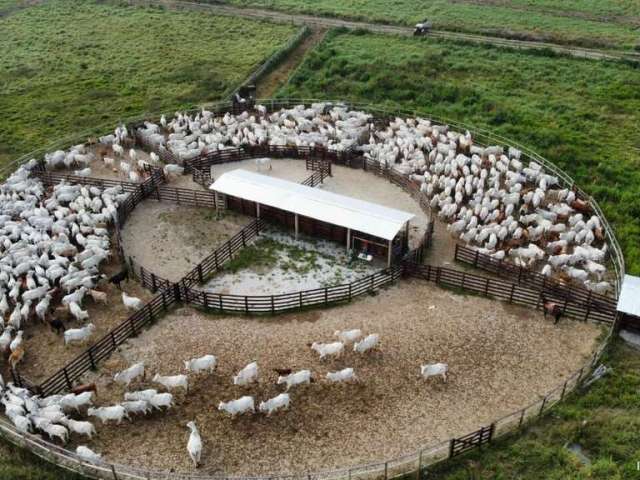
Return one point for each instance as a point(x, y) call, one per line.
point(434, 369)
point(206, 362)
point(279, 402)
point(238, 407)
point(247, 375)
point(263, 162)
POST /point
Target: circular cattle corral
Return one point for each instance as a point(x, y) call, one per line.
point(501, 357)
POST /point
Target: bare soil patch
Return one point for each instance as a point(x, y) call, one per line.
point(501, 357)
point(171, 239)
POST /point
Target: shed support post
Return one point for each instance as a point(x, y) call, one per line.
point(257, 210)
point(389, 253)
point(348, 239)
point(297, 227)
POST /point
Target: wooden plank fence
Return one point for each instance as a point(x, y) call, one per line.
point(506, 291)
point(460, 445)
point(64, 378)
point(534, 280)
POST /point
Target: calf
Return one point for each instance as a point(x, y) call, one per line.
point(551, 308)
point(56, 324)
point(85, 387)
point(119, 277)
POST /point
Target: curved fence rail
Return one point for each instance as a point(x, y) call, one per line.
point(169, 294)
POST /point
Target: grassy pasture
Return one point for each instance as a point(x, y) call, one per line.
point(583, 115)
point(605, 24)
point(69, 65)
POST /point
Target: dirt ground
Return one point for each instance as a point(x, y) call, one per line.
point(291, 169)
point(170, 239)
point(501, 358)
point(45, 349)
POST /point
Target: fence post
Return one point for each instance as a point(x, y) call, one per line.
point(113, 471)
point(215, 258)
point(154, 288)
point(246, 304)
point(451, 444)
point(176, 291)
point(66, 377)
point(386, 470)
point(513, 288)
point(419, 472)
point(564, 388)
point(521, 418)
point(273, 309)
point(244, 244)
point(326, 295)
point(164, 301)
point(475, 260)
point(113, 340)
point(200, 277)
point(544, 402)
point(93, 363)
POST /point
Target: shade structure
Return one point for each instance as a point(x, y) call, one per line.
point(347, 212)
point(629, 299)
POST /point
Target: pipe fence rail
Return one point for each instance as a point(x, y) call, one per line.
point(526, 292)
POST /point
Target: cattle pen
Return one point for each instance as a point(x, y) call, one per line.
point(519, 286)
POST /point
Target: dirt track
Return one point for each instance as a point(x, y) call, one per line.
point(328, 22)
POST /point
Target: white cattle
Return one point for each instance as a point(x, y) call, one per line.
point(128, 375)
point(195, 365)
point(334, 349)
point(369, 342)
point(344, 375)
point(348, 336)
point(172, 381)
point(263, 162)
point(278, 402)
point(105, 414)
point(238, 407)
point(247, 375)
point(293, 379)
point(430, 370)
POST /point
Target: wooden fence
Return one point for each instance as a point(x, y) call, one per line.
point(534, 280)
point(506, 291)
point(271, 304)
point(315, 179)
point(470, 441)
point(88, 360)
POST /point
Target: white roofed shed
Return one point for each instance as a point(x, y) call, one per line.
point(350, 213)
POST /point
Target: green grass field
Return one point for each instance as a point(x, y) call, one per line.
point(583, 115)
point(68, 65)
point(605, 24)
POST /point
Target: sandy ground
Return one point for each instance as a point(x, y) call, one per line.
point(290, 169)
point(501, 357)
point(326, 264)
point(45, 349)
point(170, 239)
